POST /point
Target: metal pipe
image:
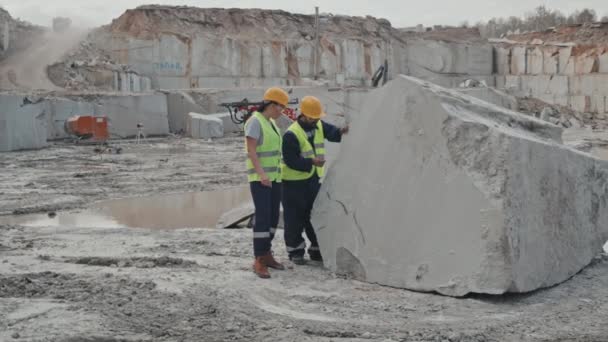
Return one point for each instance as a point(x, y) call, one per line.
point(316, 47)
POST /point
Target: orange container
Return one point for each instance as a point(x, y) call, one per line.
point(88, 127)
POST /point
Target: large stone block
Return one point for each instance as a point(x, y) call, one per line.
point(550, 60)
point(60, 109)
point(171, 56)
point(274, 55)
point(251, 59)
point(580, 103)
point(501, 56)
point(500, 81)
point(603, 63)
point(513, 83)
point(354, 64)
point(586, 64)
point(215, 57)
point(205, 127)
point(566, 61)
point(179, 105)
point(464, 197)
point(594, 84)
point(125, 112)
point(518, 60)
point(534, 61)
point(450, 58)
point(172, 83)
point(538, 85)
point(561, 100)
point(140, 54)
point(22, 123)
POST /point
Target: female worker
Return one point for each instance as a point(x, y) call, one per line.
point(263, 139)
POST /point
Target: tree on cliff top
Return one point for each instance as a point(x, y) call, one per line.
point(540, 19)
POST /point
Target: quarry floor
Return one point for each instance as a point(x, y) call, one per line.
point(67, 283)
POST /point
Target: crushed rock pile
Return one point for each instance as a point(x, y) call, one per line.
point(87, 67)
point(561, 115)
point(588, 33)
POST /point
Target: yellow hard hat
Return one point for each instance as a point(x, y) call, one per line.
point(277, 95)
point(311, 107)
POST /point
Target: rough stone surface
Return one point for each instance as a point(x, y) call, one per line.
point(474, 198)
point(205, 127)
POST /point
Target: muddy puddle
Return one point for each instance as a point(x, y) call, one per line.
point(187, 210)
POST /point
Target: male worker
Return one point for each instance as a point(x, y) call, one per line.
point(302, 168)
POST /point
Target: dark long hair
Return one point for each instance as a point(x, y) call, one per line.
point(265, 105)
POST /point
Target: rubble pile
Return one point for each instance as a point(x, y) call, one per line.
point(562, 116)
point(87, 67)
point(588, 33)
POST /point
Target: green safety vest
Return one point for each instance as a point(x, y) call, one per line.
point(306, 151)
point(269, 153)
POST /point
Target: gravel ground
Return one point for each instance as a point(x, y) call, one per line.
point(114, 284)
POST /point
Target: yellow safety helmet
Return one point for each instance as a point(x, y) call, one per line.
point(311, 107)
point(277, 95)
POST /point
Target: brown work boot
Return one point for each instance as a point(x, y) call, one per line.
point(270, 261)
point(260, 268)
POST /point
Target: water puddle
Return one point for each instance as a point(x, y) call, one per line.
point(187, 210)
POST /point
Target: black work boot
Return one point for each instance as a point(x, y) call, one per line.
point(316, 257)
point(298, 259)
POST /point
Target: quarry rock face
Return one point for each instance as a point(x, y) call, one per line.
point(439, 191)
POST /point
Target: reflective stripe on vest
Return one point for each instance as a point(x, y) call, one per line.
point(269, 153)
point(306, 151)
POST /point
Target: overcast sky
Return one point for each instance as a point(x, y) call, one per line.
point(401, 13)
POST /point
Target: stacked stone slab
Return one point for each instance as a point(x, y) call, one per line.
point(569, 75)
point(439, 191)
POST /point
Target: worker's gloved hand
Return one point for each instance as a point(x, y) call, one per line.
point(265, 181)
point(318, 161)
point(345, 129)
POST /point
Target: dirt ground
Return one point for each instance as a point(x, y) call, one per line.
point(107, 285)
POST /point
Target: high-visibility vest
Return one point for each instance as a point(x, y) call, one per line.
point(269, 153)
point(307, 151)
